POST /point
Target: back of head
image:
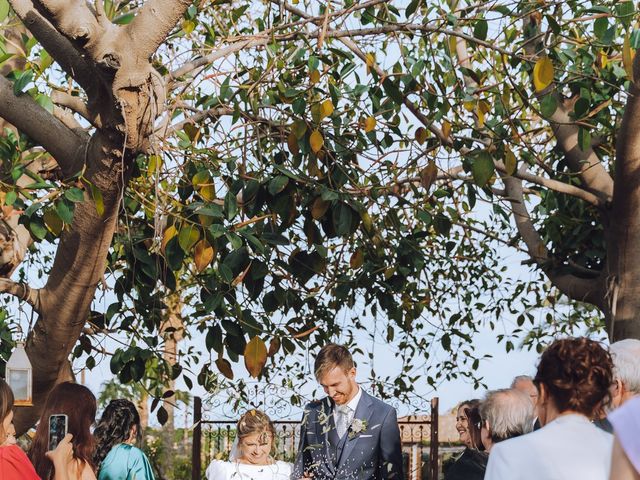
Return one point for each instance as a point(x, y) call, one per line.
point(626, 363)
point(330, 357)
point(79, 405)
point(509, 413)
point(114, 427)
point(6, 403)
point(576, 374)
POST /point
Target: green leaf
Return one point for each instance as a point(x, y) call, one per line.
point(584, 139)
point(482, 168)
point(74, 195)
point(37, 227)
point(411, 8)
point(123, 19)
point(22, 81)
point(480, 29)
point(625, 11)
point(10, 198)
point(278, 184)
point(548, 106)
point(600, 27)
point(96, 194)
point(4, 10)
point(65, 210)
point(188, 237)
point(45, 102)
point(230, 205)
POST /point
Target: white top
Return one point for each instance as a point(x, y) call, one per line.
point(219, 470)
point(352, 404)
point(569, 448)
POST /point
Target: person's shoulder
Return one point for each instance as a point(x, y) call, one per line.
point(377, 403)
point(315, 405)
point(135, 453)
point(284, 467)
point(218, 470)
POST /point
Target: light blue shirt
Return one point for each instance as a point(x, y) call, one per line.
point(125, 462)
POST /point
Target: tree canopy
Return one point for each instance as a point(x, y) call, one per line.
point(300, 170)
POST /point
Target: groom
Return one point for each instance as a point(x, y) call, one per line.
point(349, 434)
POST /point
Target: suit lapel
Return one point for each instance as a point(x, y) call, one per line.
point(327, 431)
point(363, 412)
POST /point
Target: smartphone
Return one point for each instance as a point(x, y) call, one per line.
point(58, 425)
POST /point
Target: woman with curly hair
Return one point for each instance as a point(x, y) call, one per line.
point(117, 434)
point(573, 379)
point(79, 405)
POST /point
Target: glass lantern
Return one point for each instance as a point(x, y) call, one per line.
point(19, 376)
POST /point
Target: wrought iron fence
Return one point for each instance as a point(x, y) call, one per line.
point(213, 438)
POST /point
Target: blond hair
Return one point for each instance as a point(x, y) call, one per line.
point(255, 422)
point(332, 356)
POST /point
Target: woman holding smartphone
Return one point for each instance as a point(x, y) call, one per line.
point(79, 405)
point(13, 461)
point(117, 434)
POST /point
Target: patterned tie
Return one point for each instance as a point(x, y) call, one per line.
point(343, 420)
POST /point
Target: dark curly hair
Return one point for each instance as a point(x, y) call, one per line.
point(577, 374)
point(114, 427)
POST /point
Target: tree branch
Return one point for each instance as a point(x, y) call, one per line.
point(77, 105)
point(577, 288)
point(22, 291)
point(65, 145)
point(150, 28)
point(60, 49)
point(554, 185)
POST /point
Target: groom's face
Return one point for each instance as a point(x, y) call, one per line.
point(340, 384)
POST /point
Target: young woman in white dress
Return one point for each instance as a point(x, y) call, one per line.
point(250, 457)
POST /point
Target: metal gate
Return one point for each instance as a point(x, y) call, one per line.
point(213, 439)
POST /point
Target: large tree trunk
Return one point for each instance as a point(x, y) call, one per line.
point(623, 266)
point(125, 96)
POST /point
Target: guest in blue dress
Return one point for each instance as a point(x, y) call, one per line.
point(117, 433)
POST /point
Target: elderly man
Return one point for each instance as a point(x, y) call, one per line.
point(524, 383)
point(505, 413)
point(626, 371)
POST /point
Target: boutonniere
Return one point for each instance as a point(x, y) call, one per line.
point(357, 427)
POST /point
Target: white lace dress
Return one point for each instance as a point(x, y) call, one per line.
point(219, 470)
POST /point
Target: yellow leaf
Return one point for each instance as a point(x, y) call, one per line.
point(53, 222)
point(207, 192)
point(255, 356)
point(421, 135)
point(469, 106)
point(205, 220)
point(203, 255)
point(484, 106)
point(155, 164)
point(370, 59)
point(319, 208)
point(357, 259)
point(367, 221)
point(292, 142)
point(169, 233)
point(326, 109)
point(604, 59)
point(480, 117)
point(369, 124)
point(542, 73)
point(446, 128)
point(188, 237)
point(316, 141)
point(314, 77)
point(188, 26)
point(510, 162)
point(627, 57)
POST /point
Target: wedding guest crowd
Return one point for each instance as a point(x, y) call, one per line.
point(81, 455)
point(556, 425)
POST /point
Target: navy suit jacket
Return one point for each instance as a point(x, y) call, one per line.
point(371, 452)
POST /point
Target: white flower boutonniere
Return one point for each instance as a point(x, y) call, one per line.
point(357, 427)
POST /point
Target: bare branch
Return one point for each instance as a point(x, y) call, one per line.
point(21, 291)
point(577, 288)
point(66, 146)
point(77, 105)
point(60, 49)
point(66, 117)
point(153, 24)
point(554, 185)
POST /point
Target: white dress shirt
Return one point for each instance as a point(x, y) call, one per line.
point(352, 404)
point(568, 448)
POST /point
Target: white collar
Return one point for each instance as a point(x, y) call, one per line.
point(353, 403)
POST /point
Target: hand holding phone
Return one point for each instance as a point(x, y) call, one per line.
point(58, 426)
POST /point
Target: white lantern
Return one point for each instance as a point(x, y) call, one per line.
point(19, 376)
